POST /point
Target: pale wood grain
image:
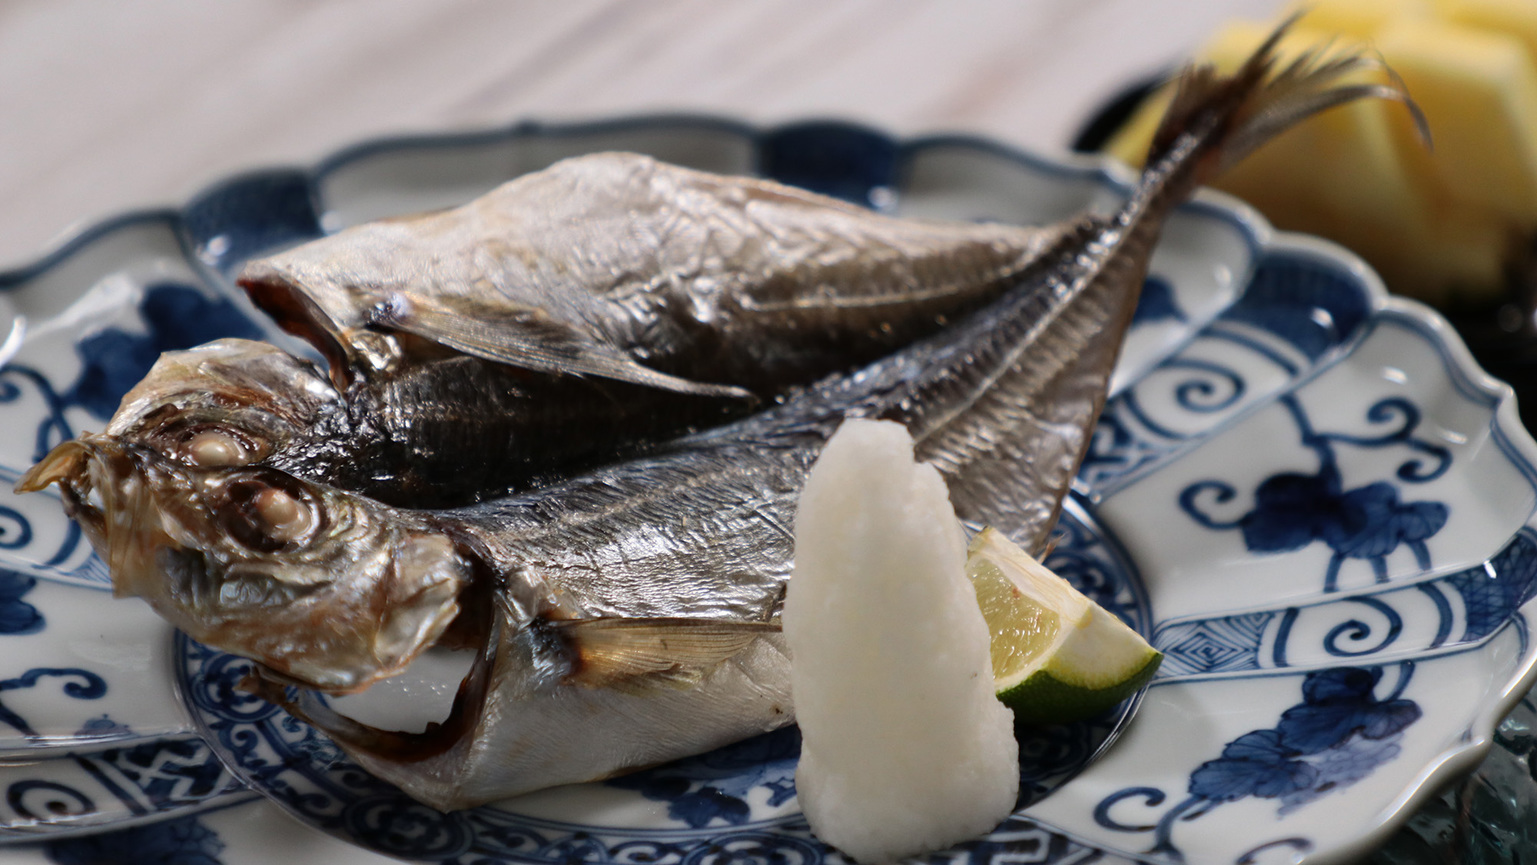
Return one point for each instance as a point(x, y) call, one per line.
point(109, 106)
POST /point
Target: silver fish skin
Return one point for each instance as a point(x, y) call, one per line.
point(439, 434)
point(1002, 404)
point(700, 538)
point(562, 320)
point(625, 617)
point(324, 586)
point(619, 266)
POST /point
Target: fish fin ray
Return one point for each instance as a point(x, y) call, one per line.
point(1011, 449)
point(528, 338)
point(639, 653)
point(1233, 115)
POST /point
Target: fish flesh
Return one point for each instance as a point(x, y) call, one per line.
point(560, 321)
point(627, 616)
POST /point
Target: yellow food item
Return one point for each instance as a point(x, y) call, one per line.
point(1439, 224)
point(1516, 17)
point(1479, 91)
point(1363, 19)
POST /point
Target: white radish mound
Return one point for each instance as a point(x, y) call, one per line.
point(905, 750)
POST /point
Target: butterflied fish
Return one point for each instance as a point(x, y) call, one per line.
point(558, 321)
point(626, 616)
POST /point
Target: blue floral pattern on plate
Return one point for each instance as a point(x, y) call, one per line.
point(1337, 735)
point(182, 841)
point(1304, 491)
point(16, 615)
point(1292, 510)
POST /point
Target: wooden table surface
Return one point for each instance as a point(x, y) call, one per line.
point(114, 106)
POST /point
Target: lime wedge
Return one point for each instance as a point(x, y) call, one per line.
point(1057, 655)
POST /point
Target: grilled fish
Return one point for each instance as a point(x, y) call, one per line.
point(557, 321)
point(627, 616)
point(438, 434)
point(618, 266)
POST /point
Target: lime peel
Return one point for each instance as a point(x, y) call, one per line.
point(1057, 656)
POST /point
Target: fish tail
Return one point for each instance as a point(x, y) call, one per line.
point(1215, 120)
point(1036, 371)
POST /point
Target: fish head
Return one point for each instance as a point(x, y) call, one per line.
point(328, 292)
point(232, 402)
point(329, 589)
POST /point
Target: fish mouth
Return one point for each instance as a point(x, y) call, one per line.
point(180, 538)
point(110, 489)
point(140, 511)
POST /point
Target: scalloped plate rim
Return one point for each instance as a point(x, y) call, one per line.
point(1478, 737)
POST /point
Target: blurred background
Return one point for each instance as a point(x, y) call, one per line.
point(112, 106)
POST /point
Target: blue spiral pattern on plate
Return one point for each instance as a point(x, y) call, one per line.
point(1389, 623)
point(1298, 313)
point(1295, 314)
point(709, 796)
point(77, 683)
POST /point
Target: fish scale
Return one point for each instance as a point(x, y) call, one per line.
point(624, 617)
point(645, 299)
point(733, 569)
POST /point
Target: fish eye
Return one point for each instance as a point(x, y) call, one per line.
point(213, 448)
point(286, 517)
point(266, 516)
point(208, 444)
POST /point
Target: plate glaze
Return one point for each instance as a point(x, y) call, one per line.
point(1303, 490)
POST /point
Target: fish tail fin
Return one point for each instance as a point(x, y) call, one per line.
point(1215, 120)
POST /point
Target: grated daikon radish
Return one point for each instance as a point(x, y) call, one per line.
point(904, 749)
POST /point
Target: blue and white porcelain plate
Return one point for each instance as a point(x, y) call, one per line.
point(1303, 491)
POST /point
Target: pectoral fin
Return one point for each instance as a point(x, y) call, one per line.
point(529, 338)
point(637, 653)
